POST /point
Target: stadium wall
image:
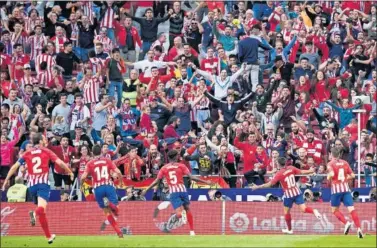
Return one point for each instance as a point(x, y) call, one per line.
point(136, 218)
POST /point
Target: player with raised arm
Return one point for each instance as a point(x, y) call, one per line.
point(174, 173)
point(37, 160)
point(101, 170)
point(292, 193)
point(339, 173)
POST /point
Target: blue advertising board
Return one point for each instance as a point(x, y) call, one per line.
point(234, 194)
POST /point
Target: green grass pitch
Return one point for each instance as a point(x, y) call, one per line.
point(196, 241)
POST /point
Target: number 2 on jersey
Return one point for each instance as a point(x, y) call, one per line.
point(36, 164)
point(101, 172)
point(291, 182)
point(172, 177)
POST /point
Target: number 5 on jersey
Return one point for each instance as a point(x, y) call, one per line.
point(172, 177)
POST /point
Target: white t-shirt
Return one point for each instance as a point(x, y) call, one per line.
point(146, 65)
point(79, 115)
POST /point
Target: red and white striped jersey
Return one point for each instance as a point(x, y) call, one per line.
point(30, 23)
point(314, 149)
point(59, 43)
point(18, 39)
point(37, 160)
point(28, 80)
point(100, 169)
point(108, 18)
point(44, 57)
point(91, 90)
point(174, 172)
point(286, 177)
point(43, 78)
point(96, 65)
point(36, 44)
point(87, 8)
point(341, 170)
point(107, 43)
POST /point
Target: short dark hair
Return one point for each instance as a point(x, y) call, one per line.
point(115, 50)
point(282, 161)
point(172, 155)
point(158, 48)
point(62, 95)
point(17, 45)
point(36, 139)
point(96, 150)
point(43, 65)
point(92, 54)
point(78, 95)
point(67, 43)
point(5, 105)
point(370, 155)
point(335, 152)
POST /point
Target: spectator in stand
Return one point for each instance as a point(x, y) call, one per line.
point(115, 69)
point(86, 37)
point(65, 58)
point(127, 37)
point(148, 27)
point(176, 22)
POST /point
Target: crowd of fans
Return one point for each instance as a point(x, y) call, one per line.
point(231, 85)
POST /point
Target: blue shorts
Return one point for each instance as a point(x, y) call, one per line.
point(40, 190)
point(107, 191)
point(178, 199)
point(288, 202)
point(344, 197)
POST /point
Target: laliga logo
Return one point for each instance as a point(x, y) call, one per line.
point(5, 226)
point(239, 222)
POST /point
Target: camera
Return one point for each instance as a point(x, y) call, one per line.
point(373, 194)
point(355, 195)
point(272, 198)
point(349, 20)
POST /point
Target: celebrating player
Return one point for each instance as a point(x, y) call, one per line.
point(37, 160)
point(101, 170)
point(292, 193)
point(339, 172)
point(174, 173)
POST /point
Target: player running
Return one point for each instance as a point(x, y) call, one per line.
point(292, 193)
point(37, 160)
point(101, 170)
point(339, 173)
point(174, 173)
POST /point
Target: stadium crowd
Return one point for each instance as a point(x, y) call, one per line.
point(231, 85)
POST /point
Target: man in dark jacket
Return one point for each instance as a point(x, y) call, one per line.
point(149, 28)
point(248, 53)
point(65, 59)
point(229, 107)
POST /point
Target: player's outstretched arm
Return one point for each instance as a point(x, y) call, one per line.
point(12, 170)
point(266, 185)
point(351, 176)
point(155, 182)
point(196, 179)
point(305, 172)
